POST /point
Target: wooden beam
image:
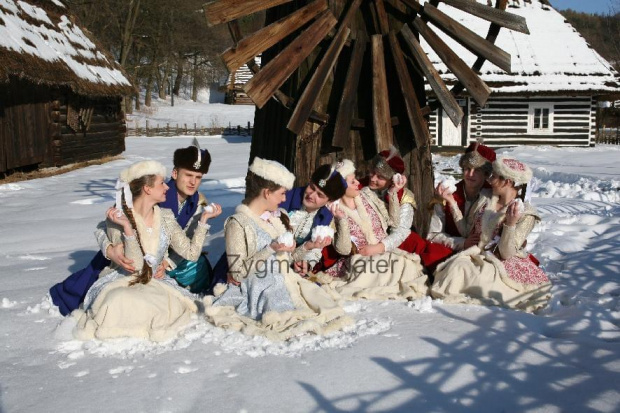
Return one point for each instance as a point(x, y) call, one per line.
point(448, 102)
point(421, 133)
point(311, 93)
point(491, 14)
point(344, 119)
point(470, 40)
point(273, 75)
point(268, 36)
point(380, 100)
point(317, 81)
point(475, 86)
point(384, 25)
point(223, 11)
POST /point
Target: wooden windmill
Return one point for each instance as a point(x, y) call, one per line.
point(345, 78)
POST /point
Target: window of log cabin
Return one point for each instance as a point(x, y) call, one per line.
point(540, 118)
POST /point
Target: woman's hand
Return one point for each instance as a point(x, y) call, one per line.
point(398, 184)
point(277, 247)
point(512, 214)
point(217, 210)
point(369, 250)
point(473, 239)
point(443, 192)
point(161, 270)
point(334, 208)
point(319, 243)
point(301, 268)
point(119, 218)
point(231, 280)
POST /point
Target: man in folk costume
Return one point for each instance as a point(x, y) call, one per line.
point(470, 194)
point(187, 204)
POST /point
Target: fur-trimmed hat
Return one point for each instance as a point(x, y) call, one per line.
point(345, 167)
point(510, 168)
point(135, 171)
point(273, 171)
point(329, 181)
point(142, 168)
point(192, 158)
point(388, 163)
point(478, 156)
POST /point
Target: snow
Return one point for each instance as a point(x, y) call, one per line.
point(417, 356)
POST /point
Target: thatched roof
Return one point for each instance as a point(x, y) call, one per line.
point(40, 42)
point(553, 59)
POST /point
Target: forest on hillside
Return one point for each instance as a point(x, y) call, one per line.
point(166, 46)
point(163, 45)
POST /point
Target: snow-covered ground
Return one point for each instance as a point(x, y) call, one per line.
point(420, 356)
point(209, 111)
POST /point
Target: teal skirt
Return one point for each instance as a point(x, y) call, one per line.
point(195, 275)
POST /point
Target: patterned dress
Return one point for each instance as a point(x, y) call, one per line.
point(481, 274)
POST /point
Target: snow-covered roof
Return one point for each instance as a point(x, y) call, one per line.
point(40, 41)
point(553, 58)
point(243, 74)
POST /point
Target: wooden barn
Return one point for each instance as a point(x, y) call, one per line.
point(549, 98)
point(60, 90)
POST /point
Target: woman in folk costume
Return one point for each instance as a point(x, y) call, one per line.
point(122, 304)
point(264, 296)
point(362, 224)
point(387, 181)
point(465, 199)
point(498, 270)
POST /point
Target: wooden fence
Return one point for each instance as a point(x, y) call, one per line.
point(609, 136)
point(180, 130)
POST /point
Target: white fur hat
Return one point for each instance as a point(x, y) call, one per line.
point(142, 168)
point(345, 167)
point(510, 168)
point(273, 171)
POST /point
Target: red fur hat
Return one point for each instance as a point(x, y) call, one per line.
point(388, 162)
point(477, 156)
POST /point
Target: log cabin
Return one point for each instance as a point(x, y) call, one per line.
point(60, 90)
point(549, 97)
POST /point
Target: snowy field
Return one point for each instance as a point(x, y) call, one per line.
point(421, 356)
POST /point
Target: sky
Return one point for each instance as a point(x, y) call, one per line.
point(586, 6)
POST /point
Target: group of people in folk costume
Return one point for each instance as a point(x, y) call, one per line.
point(294, 255)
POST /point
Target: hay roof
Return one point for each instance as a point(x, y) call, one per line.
point(41, 42)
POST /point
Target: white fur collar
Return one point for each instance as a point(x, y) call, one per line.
point(276, 228)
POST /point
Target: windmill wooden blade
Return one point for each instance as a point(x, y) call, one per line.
point(449, 103)
point(470, 40)
point(501, 18)
point(475, 86)
point(266, 37)
point(384, 25)
point(313, 89)
point(222, 11)
point(382, 123)
point(273, 75)
point(344, 118)
point(418, 124)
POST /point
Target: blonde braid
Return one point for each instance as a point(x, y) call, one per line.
point(146, 273)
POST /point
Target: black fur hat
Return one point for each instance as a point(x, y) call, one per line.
point(330, 182)
point(192, 158)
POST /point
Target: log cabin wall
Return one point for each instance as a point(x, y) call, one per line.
point(104, 135)
point(24, 125)
point(508, 121)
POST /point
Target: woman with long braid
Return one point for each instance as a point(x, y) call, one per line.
point(121, 304)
